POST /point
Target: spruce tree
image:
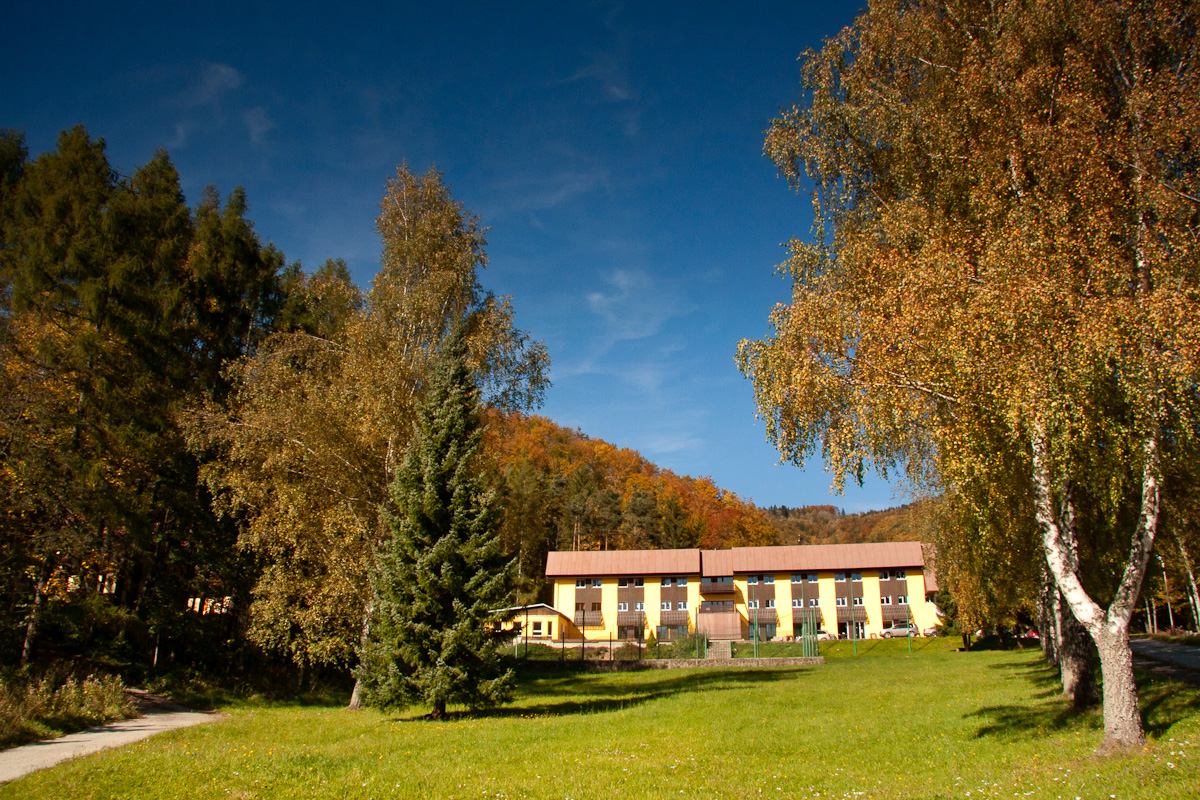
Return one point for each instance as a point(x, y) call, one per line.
point(440, 577)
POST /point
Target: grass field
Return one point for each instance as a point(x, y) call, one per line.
point(882, 724)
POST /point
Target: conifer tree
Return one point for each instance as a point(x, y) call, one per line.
point(439, 578)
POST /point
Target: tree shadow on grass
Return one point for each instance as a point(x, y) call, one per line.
point(1042, 675)
point(1163, 703)
point(1033, 720)
point(1042, 714)
point(598, 693)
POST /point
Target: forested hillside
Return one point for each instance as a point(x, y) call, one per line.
point(565, 490)
point(827, 524)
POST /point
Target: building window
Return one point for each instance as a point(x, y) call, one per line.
point(639, 606)
point(858, 601)
point(884, 575)
point(841, 601)
point(581, 583)
point(666, 581)
point(622, 583)
point(537, 629)
point(665, 606)
point(797, 602)
point(622, 606)
point(595, 606)
point(770, 604)
point(856, 576)
point(752, 580)
point(639, 583)
point(812, 602)
point(797, 577)
point(752, 604)
point(550, 629)
point(839, 577)
point(683, 581)
point(900, 574)
point(886, 600)
point(681, 605)
point(580, 607)
point(812, 577)
point(768, 579)
point(902, 599)
point(597, 583)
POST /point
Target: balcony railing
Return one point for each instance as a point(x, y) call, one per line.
point(716, 587)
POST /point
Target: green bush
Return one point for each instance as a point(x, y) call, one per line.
point(684, 647)
point(42, 708)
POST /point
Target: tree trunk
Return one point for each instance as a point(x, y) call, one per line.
point(1192, 593)
point(1122, 719)
point(35, 613)
point(1076, 666)
point(1076, 663)
point(1049, 600)
point(356, 694)
point(1109, 628)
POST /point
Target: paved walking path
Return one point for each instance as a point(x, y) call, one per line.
point(159, 715)
point(1179, 661)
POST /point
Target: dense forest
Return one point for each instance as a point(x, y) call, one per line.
point(199, 436)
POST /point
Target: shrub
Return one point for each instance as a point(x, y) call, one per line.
point(41, 708)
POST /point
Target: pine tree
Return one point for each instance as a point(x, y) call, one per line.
point(439, 578)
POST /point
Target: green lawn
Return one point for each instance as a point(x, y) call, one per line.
point(882, 724)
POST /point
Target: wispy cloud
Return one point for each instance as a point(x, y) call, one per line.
point(213, 82)
point(610, 71)
point(543, 192)
point(634, 306)
point(258, 124)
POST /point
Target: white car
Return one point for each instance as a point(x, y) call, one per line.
point(900, 629)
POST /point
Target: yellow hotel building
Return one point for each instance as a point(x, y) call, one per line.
point(626, 594)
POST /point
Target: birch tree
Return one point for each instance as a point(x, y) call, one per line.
point(1006, 197)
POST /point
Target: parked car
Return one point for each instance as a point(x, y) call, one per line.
point(930, 632)
point(901, 629)
point(822, 636)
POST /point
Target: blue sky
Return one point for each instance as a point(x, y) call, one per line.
point(615, 151)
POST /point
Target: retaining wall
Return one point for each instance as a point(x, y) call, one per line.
point(568, 665)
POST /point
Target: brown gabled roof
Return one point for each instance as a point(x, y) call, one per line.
point(622, 562)
point(740, 560)
point(798, 558)
point(931, 584)
point(717, 563)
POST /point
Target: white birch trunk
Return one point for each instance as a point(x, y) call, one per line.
point(1109, 628)
point(1192, 593)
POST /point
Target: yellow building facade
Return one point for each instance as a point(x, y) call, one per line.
point(862, 590)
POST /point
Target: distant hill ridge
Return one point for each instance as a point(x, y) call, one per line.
point(828, 524)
